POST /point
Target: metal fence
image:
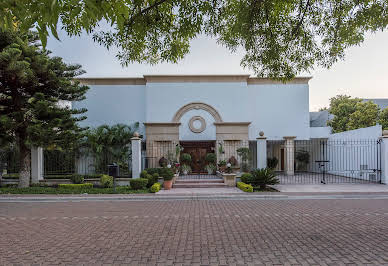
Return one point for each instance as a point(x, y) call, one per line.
point(240, 154)
point(328, 161)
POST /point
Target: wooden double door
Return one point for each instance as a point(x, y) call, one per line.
point(198, 151)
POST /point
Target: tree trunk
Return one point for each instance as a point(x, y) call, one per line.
point(25, 166)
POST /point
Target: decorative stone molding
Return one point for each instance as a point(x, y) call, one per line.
point(196, 106)
point(232, 130)
point(193, 128)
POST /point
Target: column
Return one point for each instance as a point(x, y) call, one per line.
point(289, 149)
point(261, 150)
point(36, 165)
point(136, 155)
point(384, 157)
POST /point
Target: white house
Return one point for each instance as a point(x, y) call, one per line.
point(202, 112)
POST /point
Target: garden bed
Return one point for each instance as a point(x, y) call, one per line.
point(268, 189)
point(55, 190)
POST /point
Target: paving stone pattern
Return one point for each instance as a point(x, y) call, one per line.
point(188, 232)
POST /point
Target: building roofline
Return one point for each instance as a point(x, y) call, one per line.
point(185, 79)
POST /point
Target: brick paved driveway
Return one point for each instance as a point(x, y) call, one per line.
point(249, 232)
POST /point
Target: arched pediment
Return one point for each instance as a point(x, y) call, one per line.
point(197, 106)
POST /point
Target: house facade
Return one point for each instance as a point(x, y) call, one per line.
point(202, 113)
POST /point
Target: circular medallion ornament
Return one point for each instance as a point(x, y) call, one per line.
point(197, 124)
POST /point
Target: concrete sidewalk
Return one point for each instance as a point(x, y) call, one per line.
point(332, 188)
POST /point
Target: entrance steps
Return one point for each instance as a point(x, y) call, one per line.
point(199, 183)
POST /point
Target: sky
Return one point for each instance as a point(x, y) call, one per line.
point(363, 73)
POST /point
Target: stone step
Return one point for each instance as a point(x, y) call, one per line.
point(199, 185)
point(183, 181)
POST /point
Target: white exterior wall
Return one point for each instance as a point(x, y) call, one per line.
point(278, 110)
point(112, 104)
point(354, 150)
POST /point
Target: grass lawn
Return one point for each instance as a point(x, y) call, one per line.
point(52, 190)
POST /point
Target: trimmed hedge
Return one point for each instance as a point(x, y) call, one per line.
point(139, 183)
point(244, 187)
point(155, 187)
point(75, 186)
point(106, 181)
point(152, 171)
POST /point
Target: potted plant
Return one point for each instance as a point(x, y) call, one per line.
point(210, 168)
point(167, 175)
point(211, 158)
point(186, 158)
point(222, 165)
point(186, 169)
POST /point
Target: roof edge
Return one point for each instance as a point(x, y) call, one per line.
point(186, 79)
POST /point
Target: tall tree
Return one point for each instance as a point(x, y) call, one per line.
point(34, 88)
point(281, 38)
point(352, 113)
point(383, 118)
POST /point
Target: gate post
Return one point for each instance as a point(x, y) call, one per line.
point(384, 157)
point(289, 146)
point(36, 165)
point(136, 155)
point(261, 150)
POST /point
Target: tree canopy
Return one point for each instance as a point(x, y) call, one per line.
point(353, 113)
point(34, 89)
point(281, 38)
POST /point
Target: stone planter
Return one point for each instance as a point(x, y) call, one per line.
point(229, 179)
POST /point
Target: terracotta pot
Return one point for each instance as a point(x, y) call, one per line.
point(167, 184)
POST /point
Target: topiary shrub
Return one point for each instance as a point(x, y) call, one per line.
point(186, 158)
point(244, 187)
point(106, 181)
point(167, 174)
point(263, 177)
point(139, 183)
point(77, 179)
point(211, 158)
point(246, 178)
point(152, 171)
point(155, 187)
point(152, 179)
point(144, 174)
point(75, 186)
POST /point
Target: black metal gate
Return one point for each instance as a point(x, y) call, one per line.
point(332, 161)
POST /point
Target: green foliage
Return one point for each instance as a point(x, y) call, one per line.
point(210, 168)
point(106, 181)
point(211, 158)
point(32, 85)
point(108, 144)
point(77, 179)
point(144, 174)
point(280, 38)
point(383, 118)
point(302, 156)
point(152, 171)
point(139, 183)
point(263, 177)
point(186, 168)
point(272, 163)
point(155, 187)
point(75, 186)
point(186, 158)
point(52, 190)
point(222, 163)
point(244, 187)
point(246, 178)
point(352, 113)
point(167, 174)
point(152, 179)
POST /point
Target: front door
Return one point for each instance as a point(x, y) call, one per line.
point(198, 151)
